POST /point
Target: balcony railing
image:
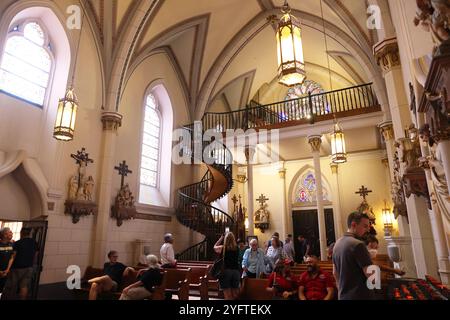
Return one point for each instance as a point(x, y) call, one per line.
point(308, 109)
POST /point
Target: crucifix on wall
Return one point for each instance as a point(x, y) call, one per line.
point(123, 171)
point(123, 208)
point(262, 215)
point(364, 206)
point(363, 192)
point(82, 159)
point(81, 189)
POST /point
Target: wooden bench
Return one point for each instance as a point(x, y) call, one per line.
point(177, 282)
point(254, 289)
point(198, 280)
point(130, 278)
point(212, 289)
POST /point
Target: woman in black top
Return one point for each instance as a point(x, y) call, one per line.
point(230, 277)
point(113, 272)
point(143, 288)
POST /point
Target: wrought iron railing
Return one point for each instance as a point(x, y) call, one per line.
point(310, 108)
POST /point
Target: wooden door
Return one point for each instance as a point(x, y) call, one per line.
point(39, 234)
point(305, 222)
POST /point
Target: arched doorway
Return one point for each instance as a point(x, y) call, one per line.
point(304, 212)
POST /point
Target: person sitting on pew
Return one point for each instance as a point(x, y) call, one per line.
point(143, 288)
point(281, 282)
point(315, 284)
point(372, 247)
point(113, 273)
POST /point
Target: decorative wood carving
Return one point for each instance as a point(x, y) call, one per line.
point(123, 208)
point(434, 17)
point(398, 195)
point(81, 189)
point(262, 214)
point(79, 208)
point(414, 178)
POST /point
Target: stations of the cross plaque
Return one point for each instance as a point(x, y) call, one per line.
point(363, 192)
point(262, 199)
point(123, 171)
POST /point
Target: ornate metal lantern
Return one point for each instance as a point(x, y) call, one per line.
point(338, 153)
point(66, 116)
point(291, 64)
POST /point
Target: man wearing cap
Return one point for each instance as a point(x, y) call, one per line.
point(167, 254)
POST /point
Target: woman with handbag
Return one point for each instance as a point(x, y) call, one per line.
point(229, 278)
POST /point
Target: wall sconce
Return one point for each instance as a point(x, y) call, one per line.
point(388, 220)
point(246, 224)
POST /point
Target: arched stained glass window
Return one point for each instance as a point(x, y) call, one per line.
point(306, 189)
point(26, 63)
point(150, 143)
point(298, 109)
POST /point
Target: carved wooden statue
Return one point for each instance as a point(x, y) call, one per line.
point(123, 208)
point(81, 189)
point(434, 17)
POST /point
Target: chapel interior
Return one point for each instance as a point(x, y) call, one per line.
point(124, 120)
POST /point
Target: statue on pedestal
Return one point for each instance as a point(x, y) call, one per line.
point(80, 195)
point(439, 194)
point(123, 208)
point(434, 16)
point(262, 214)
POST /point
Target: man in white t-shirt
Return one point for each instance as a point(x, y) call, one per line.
point(167, 254)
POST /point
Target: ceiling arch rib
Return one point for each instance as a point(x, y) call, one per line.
point(192, 65)
point(236, 92)
point(124, 50)
point(342, 59)
point(253, 27)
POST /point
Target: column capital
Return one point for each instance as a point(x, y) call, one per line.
point(387, 55)
point(315, 141)
point(282, 173)
point(112, 121)
point(387, 130)
point(334, 168)
point(249, 153)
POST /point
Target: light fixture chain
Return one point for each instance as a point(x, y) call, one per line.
point(326, 46)
point(77, 50)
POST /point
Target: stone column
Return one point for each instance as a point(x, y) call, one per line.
point(315, 141)
point(249, 154)
point(111, 123)
point(387, 132)
point(387, 55)
point(337, 213)
point(284, 208)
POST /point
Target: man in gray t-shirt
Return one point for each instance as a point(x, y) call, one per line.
point(351, 259)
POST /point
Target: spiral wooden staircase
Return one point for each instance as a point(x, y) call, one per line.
point(194, 209)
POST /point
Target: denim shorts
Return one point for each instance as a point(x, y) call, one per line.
point(230, 279)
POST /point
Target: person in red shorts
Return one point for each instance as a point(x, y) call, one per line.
point(281, 282)
point(315, 284)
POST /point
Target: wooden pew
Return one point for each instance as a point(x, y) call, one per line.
point(177, 282)
point(131, 278)
point(198, 280)
point(254, 289)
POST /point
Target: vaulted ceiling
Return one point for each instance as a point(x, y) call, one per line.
point(224, 51)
